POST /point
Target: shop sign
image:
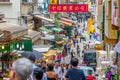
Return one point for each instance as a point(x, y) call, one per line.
point(53, 1)
point(68, 7)
point(114, 12)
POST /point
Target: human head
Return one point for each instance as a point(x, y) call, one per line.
point(21, 69)
point(115, 61)
point(32, 58)
point(74, 62)
point(43, 63)
point(50, 67)
point(38, 74)
point(57, 63)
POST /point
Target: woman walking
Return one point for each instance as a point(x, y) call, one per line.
point(51, 75)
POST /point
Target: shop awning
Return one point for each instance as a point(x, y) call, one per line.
point(68, 20)
point(44, 18)
point(48, 37)
point(57, 29)
point(42, 48)
point(49, 25)
point(16, 30)
point(66, 23)
point(50, 53)
point(33, 35)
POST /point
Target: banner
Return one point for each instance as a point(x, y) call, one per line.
point(68, 8)
point(114, 12)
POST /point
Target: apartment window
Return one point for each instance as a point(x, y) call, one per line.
point(4, 0)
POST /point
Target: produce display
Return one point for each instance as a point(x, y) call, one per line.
point(98, 47)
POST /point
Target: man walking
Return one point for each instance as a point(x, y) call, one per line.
point(58, 69)
point(74, 73)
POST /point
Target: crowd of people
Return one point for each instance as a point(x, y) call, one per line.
point(27, 69)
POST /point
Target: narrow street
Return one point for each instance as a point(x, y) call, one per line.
point(59, 40)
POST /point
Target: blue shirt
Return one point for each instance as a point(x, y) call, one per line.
point(75, 74)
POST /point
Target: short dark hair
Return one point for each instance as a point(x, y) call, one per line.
point(74, 61)
point(38, 73)
point(57, 61)
point(50, 67)
point(32, 58)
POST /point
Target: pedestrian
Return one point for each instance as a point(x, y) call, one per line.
point(74, 41)
point(72, 54)
point(69, 66)
point(68, 47)
point(32, 58)
point(21, 69)
point(74, 73)
point(51, 75)
point(44, 66)
point(58, 69)
point(78, 50)
point(113, 70)
point(38, 74)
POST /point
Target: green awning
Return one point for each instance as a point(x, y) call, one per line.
point(22, 45)
point(45, 29)
point(42, 28)
point(57, 29)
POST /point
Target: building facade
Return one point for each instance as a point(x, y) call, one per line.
point(14, 9)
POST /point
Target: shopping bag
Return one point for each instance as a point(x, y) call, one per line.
point(108, 74)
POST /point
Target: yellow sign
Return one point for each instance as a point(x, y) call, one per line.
point(53, 1)
point(89, 3)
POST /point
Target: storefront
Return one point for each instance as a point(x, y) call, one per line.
point(11, 40)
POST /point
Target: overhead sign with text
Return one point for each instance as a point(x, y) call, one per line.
point(68, 7)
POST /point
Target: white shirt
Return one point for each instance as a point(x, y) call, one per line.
point(113, 69)
point(58, 71)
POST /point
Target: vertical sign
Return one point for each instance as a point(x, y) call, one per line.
point(114, 15)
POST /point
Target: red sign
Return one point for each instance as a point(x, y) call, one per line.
point(68, 7)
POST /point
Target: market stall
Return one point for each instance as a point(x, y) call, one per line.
point(11, 38)
point(33, 35)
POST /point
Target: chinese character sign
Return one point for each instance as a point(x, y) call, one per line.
point(68, 7)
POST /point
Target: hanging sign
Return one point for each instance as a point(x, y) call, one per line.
point(68, 7)
point(114, 12)
point(53, 1)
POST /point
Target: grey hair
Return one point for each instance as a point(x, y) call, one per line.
point(23, 68)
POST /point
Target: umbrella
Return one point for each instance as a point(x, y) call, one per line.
point(35, 53)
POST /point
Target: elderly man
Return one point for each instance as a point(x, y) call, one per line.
point(21, 69)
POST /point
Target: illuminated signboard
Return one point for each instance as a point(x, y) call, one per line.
point(68, 7)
